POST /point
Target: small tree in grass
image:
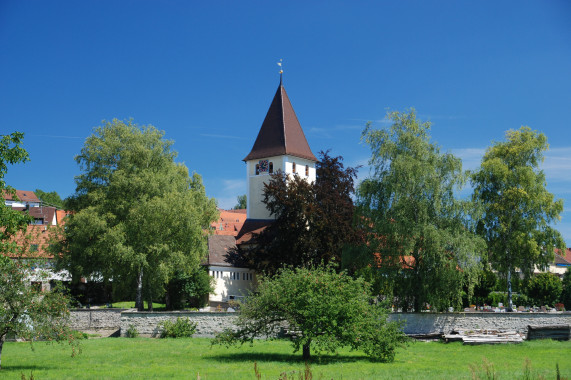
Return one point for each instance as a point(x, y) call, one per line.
point(28, 312)
point(323, 309)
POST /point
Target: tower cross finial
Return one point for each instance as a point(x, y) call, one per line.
point(281, 69)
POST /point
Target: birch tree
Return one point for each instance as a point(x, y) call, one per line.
point(519, 211)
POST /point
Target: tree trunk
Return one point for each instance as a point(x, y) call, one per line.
point(306, 352)
point(2, 338)
point(509, 278)
point(150, 305)
point(139, 297)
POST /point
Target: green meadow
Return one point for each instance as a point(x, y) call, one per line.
point(124, 358)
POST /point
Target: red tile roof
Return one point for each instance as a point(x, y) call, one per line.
point(229, 223)
point(23, 195)
point(281, 132)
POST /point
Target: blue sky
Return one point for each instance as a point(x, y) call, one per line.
point(205, 73)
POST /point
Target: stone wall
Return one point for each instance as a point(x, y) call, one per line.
point(146, 323)
point(103, 321)
point(434, 323)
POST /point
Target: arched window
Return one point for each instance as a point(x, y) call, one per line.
point(293, 167)
point(271, 167)
point(307, 170)
point(257, 169)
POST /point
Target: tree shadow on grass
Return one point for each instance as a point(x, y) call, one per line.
point(286, 358)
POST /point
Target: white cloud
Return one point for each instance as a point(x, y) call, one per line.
point(234, 185)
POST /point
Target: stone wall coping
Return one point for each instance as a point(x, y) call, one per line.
point(108, 310)
point(181, 312)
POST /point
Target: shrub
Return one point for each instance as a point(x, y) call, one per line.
point(79, 335)
point(494, 298)
point(566, 293)
point(544, 289)
point(182, 328)
point(132, 332)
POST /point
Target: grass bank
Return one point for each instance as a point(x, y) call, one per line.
point(123, 358)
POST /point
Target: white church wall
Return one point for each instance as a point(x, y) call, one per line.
point(231, 283)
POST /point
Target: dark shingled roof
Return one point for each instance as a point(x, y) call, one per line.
point(281, 132)
point(250, 228)
point(218, 249)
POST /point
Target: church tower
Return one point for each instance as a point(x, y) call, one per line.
point(280, 145)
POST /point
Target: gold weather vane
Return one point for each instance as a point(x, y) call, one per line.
point(280, 65)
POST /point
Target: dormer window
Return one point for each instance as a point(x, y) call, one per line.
point(293, 168)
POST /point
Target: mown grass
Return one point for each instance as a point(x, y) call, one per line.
point(131, 305)
point(123, 358)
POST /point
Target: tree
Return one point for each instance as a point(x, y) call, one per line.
point(419, 237)
point(11, 221)
point(27, 311)
point(51, 198)
point(519, 210)
point(24, 310)
point(139, 216)
point(242, 202)
point(544, 289)
point(189, 289)
point(313, 220)
point(322, 309)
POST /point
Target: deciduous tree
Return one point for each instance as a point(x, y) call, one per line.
point(322, 309)
point(420, 239)
point(139, 216)
point(519, 211)
point(51, 198)
point(313, 220)
point(25, 311)
point(242, 202)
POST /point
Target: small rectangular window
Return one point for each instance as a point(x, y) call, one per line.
point(307, 170)
point(33, 248)
point(293, 167)
point(257, 169)
point(271, 167)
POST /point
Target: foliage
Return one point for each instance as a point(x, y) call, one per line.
point(51, 198)
point(566, 289)
point(11, 221)
point(242, 202)
point(24, 310)
point(27, 311)
point(182, 328)
point(420, 241)
point(487, 280)
point(132, 332)
point(544, 289)
point(322, 309)
point(189, 289)
point(313, 220)
point(519, 211)
point(138, 217)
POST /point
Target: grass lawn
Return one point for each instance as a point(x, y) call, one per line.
point(118, 358)
point(131, 304)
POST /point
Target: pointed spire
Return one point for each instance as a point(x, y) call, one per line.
point(281, 133)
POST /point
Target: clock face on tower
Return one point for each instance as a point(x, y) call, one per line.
point(263, 166)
